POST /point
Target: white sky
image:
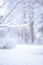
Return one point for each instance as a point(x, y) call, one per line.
point(1, 2)
point(3, 8)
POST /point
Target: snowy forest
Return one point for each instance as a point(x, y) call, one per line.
point(21, 22)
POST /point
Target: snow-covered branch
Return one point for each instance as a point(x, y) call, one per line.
point(14, 26)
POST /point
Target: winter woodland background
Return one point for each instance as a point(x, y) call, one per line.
point(21, 22)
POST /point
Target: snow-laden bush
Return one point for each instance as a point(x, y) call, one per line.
point(7, 39)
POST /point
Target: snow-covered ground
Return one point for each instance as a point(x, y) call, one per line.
point(22, 55)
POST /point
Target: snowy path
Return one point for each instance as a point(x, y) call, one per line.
point(22, 55)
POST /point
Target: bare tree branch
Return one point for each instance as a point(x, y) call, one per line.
point(9, 12)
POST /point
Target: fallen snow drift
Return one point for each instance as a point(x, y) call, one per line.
point(22, 55)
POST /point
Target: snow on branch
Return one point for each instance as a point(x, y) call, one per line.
point(14, 26)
